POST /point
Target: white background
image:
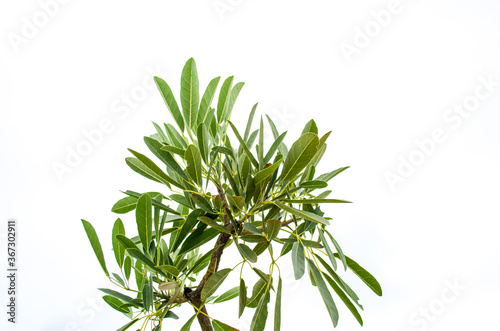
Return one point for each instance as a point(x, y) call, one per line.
point(436, 225)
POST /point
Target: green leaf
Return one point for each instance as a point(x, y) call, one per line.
point(147, 296)
point(115, 304)
point(196, 239)
point(224, 96)
point(314, 184)
point(344, 299)
point(364, 275)
point(261, 145)
point(119, 250)
point(173, 149)
point(326, 177)
point(301, 213)
point(96, 245)
point(274, 147)
point(190, 94)
point(156, 148)
point(122, 297)
point(260, 315)
point(282, 147)
point(156, 203)
point(193, 159)
point(298, 260)
point(340, 282)
point(243, 297)
point(169, 99)
point(138, 255)
point(214, 224)
point(127, 267)
point(247, 253)
point(148, 169)
point(252, 228)
point(202, 202)
point(188, 225)
point(277, 309)
point(310, 127)
point(266, 173)
point(235, 91)
point(273, 227)
point(124, 205)
point(244, 146)
point(214, 282)
point(328, 249)
point(325, 293)
point(314, 201)
point(339, 250)
point(187, 326)
point(249, 122)
point(170, 269)
point(161, 134)
point(144, 220)
point(203, 259)
point(175, 137)
point(258, 290)
point(219, 326)
point(301, 152)
point(236, 201)
point(228, 295)
point(206, 100)
point(253, 238)
point(128, 325)
point(203, 140)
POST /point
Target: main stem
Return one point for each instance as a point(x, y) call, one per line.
point(195, 296)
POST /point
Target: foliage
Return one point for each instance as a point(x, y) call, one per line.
point(244, 198)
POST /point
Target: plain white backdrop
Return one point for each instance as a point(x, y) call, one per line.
point(400, 83)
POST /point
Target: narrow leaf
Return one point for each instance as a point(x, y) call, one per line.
point(190, 95)
point(273, 227)
point(119, 250)
point(298, 260)
point(301, 152)
point(277, 309)
point(301, 213)
point(96, 245)
point(124, 205)
point(169, 99)
point(325, 293)
point(228, 295)
point(193, 159)
point(144, 220)
point(364, 275)
point(214, 282)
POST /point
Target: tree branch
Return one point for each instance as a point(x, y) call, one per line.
point(195, 296)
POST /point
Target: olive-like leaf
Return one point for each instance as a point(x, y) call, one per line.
point(301, 152)
point(214, 282)
point(119, 250)
point(96, 245)
point(190, 94)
